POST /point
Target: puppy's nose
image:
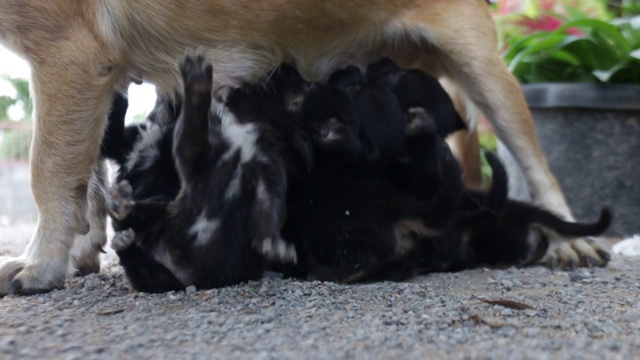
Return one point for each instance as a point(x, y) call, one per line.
point(309, 86)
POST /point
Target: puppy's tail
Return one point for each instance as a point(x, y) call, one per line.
point(552, 222)
point(112, 142)
point(445, 204)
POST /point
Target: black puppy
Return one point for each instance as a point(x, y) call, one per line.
point(496, 231)
point(379, 115)
point(421, 96)
point(225, 220)
point(406, 151)
point(352, 230)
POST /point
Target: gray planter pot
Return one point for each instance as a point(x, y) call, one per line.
point(590, 135)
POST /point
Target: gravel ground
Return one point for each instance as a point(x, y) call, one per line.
point(585, 314)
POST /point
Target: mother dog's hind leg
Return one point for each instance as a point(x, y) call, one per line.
point(473, 62)
point(72, 96)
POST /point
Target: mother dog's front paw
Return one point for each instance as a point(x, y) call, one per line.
point(579, 252)
point(21, 276)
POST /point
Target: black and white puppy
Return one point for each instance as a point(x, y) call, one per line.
point(224, 223)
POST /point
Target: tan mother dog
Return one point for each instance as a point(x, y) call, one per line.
point(80, 50)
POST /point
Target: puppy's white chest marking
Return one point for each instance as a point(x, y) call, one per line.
point(233, 189)
point(204, 229)
point(242, 137)
point(146, 148)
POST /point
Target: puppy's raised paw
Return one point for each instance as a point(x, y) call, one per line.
point(120, 200)
point(122, 240)
point(197, 74)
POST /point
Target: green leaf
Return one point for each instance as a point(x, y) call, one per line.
point(611, 31)
point(547, 44)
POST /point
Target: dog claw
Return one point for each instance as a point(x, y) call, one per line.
point(573, 264)
point(604, 254)
point(590, 262)
point(15, 287)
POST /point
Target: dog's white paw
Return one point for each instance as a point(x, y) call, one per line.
point(20, 275)
point(572, 253)
point(122, 240)
point(276, 249)
point(120, 201)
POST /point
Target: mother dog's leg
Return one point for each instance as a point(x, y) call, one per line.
point(72, 96)
point(472, 61)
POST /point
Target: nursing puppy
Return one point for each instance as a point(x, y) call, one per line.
point(349, 228)
point(83, 50)
point(143, 151)
point(225, 221)
point(378, 113)
point(405, 149)
point(421, 96)
point(492, 230)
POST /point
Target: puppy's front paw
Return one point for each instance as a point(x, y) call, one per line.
point(276, 249)
point(579, 252)
point(122, 240)
point(120, 201)
point(197, 74)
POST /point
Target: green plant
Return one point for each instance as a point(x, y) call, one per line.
point(22, 98)
point(582, 50)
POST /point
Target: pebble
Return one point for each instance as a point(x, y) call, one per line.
point(280, 318)
point(507, 284)
point(580, 275)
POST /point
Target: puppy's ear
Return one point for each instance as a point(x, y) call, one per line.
point(348, 79)
point(284, 77)
point(419, 122)
point(381, 69)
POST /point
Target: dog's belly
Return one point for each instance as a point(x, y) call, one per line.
point(245, 39)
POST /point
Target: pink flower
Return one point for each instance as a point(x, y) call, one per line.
point(546, 22)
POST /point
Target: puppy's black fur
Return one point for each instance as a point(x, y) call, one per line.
point(225, 220)
point(379, 115)
point(349, 229)
point(496, 231)
point(421, 96)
